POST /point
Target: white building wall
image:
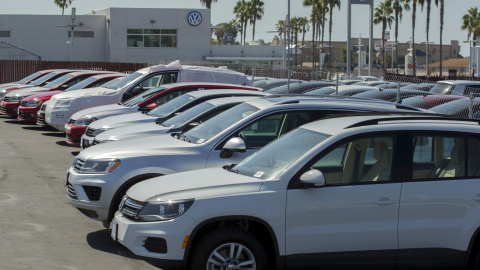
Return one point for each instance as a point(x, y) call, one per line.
point(40, 35)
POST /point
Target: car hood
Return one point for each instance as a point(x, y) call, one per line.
point(122, 120)
point(139, 147)
point(104, 111)
point(90, 92)
point(132, 131)
point(28, 91)
point(42, 96)
point(194, 184)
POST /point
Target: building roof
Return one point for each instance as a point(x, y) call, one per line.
point(452, 63)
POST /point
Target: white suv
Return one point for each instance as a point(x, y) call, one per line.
point(358, 192)
point(101, 175)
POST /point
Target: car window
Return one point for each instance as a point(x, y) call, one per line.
point(364, 160)
point(436, 157)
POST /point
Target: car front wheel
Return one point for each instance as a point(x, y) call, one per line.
point(229, 249)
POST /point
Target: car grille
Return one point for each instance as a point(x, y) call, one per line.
point(71, 191)
point(71, 121)
point(69, 137)
point(27, 115)
point(130, 207)
point(90, 132)
point(8, 110)
point(93, 192)
point(78, 164)
point(41, 118)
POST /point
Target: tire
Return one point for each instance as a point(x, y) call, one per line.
point(213, 251)
point(476, 261)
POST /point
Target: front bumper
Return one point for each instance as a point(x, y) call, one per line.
point(28, 114)
point(9, 108)
point(74, 134)
point(57, 118)
point(41, 118)
point(92, 194)
point(134, 235)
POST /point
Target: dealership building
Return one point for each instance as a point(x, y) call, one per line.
point(125, 35)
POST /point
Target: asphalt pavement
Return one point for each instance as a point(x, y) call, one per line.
point(38, 227)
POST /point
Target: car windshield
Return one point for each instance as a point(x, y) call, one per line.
point(321, 91)
point(171, 106)
point(28, 78)
point(44, 78)
point(188, 115)
point(81, 84)
point(414, 101)
point(275, 157)
point(107, 84)
point(442, 89)
point(58, 82)
point(219, 123)
point(452, 108)
point(142, 97)
point(124, 81)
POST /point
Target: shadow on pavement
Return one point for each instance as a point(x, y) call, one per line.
point(75, 153)
point(101, 240)
point(39, 128)
point(54, 134)
point(15, 121)
point(64, 143)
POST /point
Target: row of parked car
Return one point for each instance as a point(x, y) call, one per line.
point(196, 168)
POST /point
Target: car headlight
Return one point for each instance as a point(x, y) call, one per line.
point(64, 102)
point(95, 166)
point(98, 131)
point(165, 210)
point(33, 103)
point(3, 93)
point(16, 98)
point(85, 121)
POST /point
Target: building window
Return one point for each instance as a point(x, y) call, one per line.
point(4, 33)
point(152, 38)
point(81, 34)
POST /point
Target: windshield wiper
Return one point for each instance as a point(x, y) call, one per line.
point(230, 169)
point(184, 137)
point(160, 123)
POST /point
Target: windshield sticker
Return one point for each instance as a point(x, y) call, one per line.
point(200, 140)
point(258, 174)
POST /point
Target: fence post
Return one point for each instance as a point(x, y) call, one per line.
point(398, 92)
point(470, 107)
point(336, 87)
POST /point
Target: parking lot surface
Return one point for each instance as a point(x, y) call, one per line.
point(38, 227)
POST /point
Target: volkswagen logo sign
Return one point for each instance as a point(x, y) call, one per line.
point(194, 18)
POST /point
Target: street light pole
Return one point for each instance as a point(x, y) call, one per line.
point(470, 70)
point(428, 52)
point(74, 11)
point(289, 49)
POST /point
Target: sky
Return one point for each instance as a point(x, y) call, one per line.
point(276, 10)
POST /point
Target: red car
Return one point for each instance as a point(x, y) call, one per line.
point(12, 100)
point(31, 105)
point(146, 101)
point(427, 102)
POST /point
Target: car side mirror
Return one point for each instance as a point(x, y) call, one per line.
point(151, 106)
point(314, 177)
point(233, 145)
point(137, 89)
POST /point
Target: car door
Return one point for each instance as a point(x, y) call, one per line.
point(351, 221)
point(261, 131)
point(439, 208)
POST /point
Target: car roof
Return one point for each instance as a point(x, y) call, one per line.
point(402, 121)
point(229, 100)
point(328, 101)
point(460, 82)
point(212, 92)
point(209, 84)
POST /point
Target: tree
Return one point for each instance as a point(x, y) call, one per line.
point(63, 4)
point(414, 11)
point(331, 4)
point(207, 3)
point(241, 11)
point(383, 15)
point(398, 7)
point(314, 18)
point(256, 11)
point(304, 26)
point(471, 23)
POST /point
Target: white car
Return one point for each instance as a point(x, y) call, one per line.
point(61, 107)
point(178, 124)
point(101, 175)
point(358, 192)
point(162, 113)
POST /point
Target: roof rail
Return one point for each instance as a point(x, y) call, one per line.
point(439, 117)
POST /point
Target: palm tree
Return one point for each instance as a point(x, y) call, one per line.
point(383, 15)
point(414, 11)
point(256, 11)
point(63, 4)
point(241, 10)
point(398, 7)
point(207, 3)
point(304, 26)
point(294, 27)
point(332, 4)
point(442, 9)
point(313, 4)
point(471, 23)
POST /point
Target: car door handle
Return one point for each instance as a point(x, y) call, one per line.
point(384, 201)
